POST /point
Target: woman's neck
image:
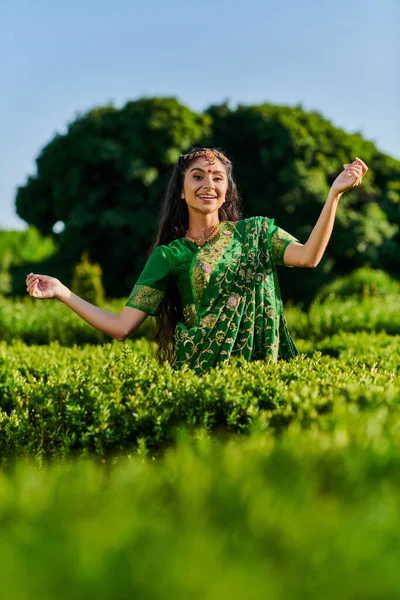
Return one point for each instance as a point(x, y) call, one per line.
point(202, 224)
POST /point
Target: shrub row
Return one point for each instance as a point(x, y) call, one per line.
point(353, 314)
point(362, 282)
point(109, 399)
point(41, 322)
point(375, 350)
point(313, 514)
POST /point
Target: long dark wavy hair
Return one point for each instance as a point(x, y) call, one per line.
point(173, 224)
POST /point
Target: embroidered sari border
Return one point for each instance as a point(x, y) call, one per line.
point(145, 298)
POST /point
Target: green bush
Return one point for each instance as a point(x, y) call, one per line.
point(26, 246)
point(5, 277)
point(86, 281)
point(362, 283)
point(41, 322)
point(107, 400)
point(352, 314)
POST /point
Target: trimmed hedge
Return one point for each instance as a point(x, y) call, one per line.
point(42, 322)
point(107, 400)
point(372, 315)
point(362, 283)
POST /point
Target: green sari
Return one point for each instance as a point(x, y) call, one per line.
point(229, 291)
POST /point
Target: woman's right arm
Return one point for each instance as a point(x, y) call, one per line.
point(116, 326)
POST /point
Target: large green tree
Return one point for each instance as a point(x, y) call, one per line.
point(105, 177)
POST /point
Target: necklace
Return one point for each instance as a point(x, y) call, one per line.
point(200, 240)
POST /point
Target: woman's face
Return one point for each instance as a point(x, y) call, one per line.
point(205, 186)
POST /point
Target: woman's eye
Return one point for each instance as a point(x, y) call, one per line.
point(197, 177)
point(218, 179)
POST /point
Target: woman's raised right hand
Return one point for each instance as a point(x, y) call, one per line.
point(43, 286)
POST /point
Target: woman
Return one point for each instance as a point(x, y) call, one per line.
point(211, 277)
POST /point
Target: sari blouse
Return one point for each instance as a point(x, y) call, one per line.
point(229, 292)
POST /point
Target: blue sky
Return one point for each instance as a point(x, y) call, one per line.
point(340, 58)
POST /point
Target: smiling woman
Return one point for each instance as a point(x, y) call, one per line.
point(211, 278)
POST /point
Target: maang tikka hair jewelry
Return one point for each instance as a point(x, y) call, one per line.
point(209, 155)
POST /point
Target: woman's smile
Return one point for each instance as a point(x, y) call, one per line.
point(207, 197)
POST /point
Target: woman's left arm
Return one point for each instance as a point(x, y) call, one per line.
point(310, 253)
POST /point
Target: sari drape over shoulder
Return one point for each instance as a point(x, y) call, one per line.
point(229, 291)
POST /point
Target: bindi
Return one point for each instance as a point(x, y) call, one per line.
point(209, 170)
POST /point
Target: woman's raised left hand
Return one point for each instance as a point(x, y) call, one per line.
point(350, 177)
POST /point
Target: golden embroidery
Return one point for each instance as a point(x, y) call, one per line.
point(280, 240)
point(209, 320)
point(206, 259)
point(189, 312)
point(147, 298)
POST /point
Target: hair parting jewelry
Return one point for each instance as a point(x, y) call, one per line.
point(208, 154)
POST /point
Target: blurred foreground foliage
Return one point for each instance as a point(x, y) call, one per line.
point(310, 513)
